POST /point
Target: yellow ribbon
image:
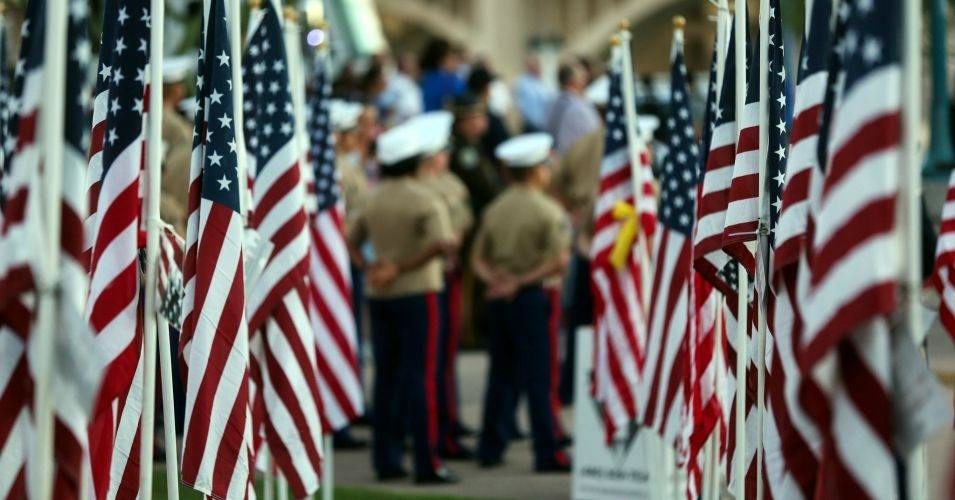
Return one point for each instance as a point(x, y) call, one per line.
point(623, 211)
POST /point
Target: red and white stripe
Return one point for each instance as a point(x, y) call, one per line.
point(711, 209)
point(944, 275)
point(620, 322)
point(742, 208)
point(661, 394)
point(336, 337)
point(733, 454)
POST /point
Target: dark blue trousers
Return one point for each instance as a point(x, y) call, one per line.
point(519, 346)
point(580, 313)
point(405, 334)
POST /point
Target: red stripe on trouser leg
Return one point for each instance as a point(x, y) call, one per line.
point(431, 377)
point(453, 279)
point(553, 325)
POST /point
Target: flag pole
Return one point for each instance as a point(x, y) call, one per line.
point(742, 341)
point(168, 412)
point(52, 137)
point(154, 176)
point(636, 169)
point(234, 19)
point(328, 468)
point(910, 205)
point(762, 239)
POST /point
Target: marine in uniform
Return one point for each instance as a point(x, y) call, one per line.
point(409, 231)
point(522, 242)
point(435, 130)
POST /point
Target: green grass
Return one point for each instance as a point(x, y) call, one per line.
point(341, 492)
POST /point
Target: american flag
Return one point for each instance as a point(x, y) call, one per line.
point(336, 336)
point(287, 379)
point(6, 108)
point(20, 234)
point(662, 394)
point(620, 322)
point(791, 437)
point(217, 453)
point(854, 256)
point(709, 257)
point(113, 307)
point(74, 375)
point(705, 414)
point(944, 273)
point(742, 206)
point(170, 286)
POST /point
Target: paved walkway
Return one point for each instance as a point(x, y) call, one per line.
point(516, 478)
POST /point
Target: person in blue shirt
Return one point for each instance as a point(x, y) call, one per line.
point(440, 83)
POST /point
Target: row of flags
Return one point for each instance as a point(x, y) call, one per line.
point(261, 293)
point(813, 226)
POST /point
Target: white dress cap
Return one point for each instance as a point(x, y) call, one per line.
point(528, 150)
point(398, 143)
point(178, 68)
point(343, 114)
point(434, 129)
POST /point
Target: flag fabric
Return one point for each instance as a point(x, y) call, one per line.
point(619, 320)
point(943, 275)
point(336, 335)
point(709, 257)
point(278, 301)
point(20, 234)
point(792, 436)
point(113, 308)
point(217, 454)
point(170, 286)
point(704, 415)
point(742, 206)
point(6, 106)
point(662, 390)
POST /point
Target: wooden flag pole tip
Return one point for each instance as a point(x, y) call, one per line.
point(624, 24)
point(290, 14)
point(255, 4)
point(679, 22)
point(615, 40)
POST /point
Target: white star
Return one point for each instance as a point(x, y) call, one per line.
point(138, 105)
point(270, 108)
point(274, 87)
point(112, 136)
point(872, 51)
point(253, 50)
point(215, 97)
point(267, 130)
point(143, 46)
point(805, 62)
point(224, 183)
point(146, 18)
point(208, 134)
point(225, 121)
point(278, 66)
point(865, 6)
point(782, 74)
point(772, 40)
point(120, 46)
point(781, 178)
point(781, 126)
point(78, 10)
point(778, 203)
point(123, 16)
point(286, 128)
point(199, 82)
point(232, 146)
point(719, 113)
point(114, 105)
point(266, 45)
point(223, 59)
point(81, 53)
point(117, 76)
point(678, 96)
point(781, 100)
point(781, 152)
point(141, 75)
point(852, 42)
point(266, 150)
point(215, 159)
point(772, 12)
point(105, 71)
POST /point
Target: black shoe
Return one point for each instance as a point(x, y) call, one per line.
point(458, 452)
point(391, 475)
point(461, 430)
point(343, 440)
point(554, 467)
point(440, 476)
point(491, 463)
point(565, 441)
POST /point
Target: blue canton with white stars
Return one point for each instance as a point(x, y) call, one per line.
point(127, 77)
point(77, 85)
point(872, 39)
point(778, 132)
point(5, 111)
point(709, 114)
point(725, 111)
point(214, 134)
point(322, 150)
point(267, 99)
point(616, 136)
point(679, 178)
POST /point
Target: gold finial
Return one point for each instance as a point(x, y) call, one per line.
point(255, 4)
point(615, 40)
point(291, 15)
point(679, 22)
point(3, 8)
point(624, 24)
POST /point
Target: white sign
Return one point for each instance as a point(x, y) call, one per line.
point(602, 471)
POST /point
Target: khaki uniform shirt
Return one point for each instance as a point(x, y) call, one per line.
point(521, 230)
point(354, 186)
point(577, 182)
point(401, 219)
point(453, 194)
point(177, 139)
